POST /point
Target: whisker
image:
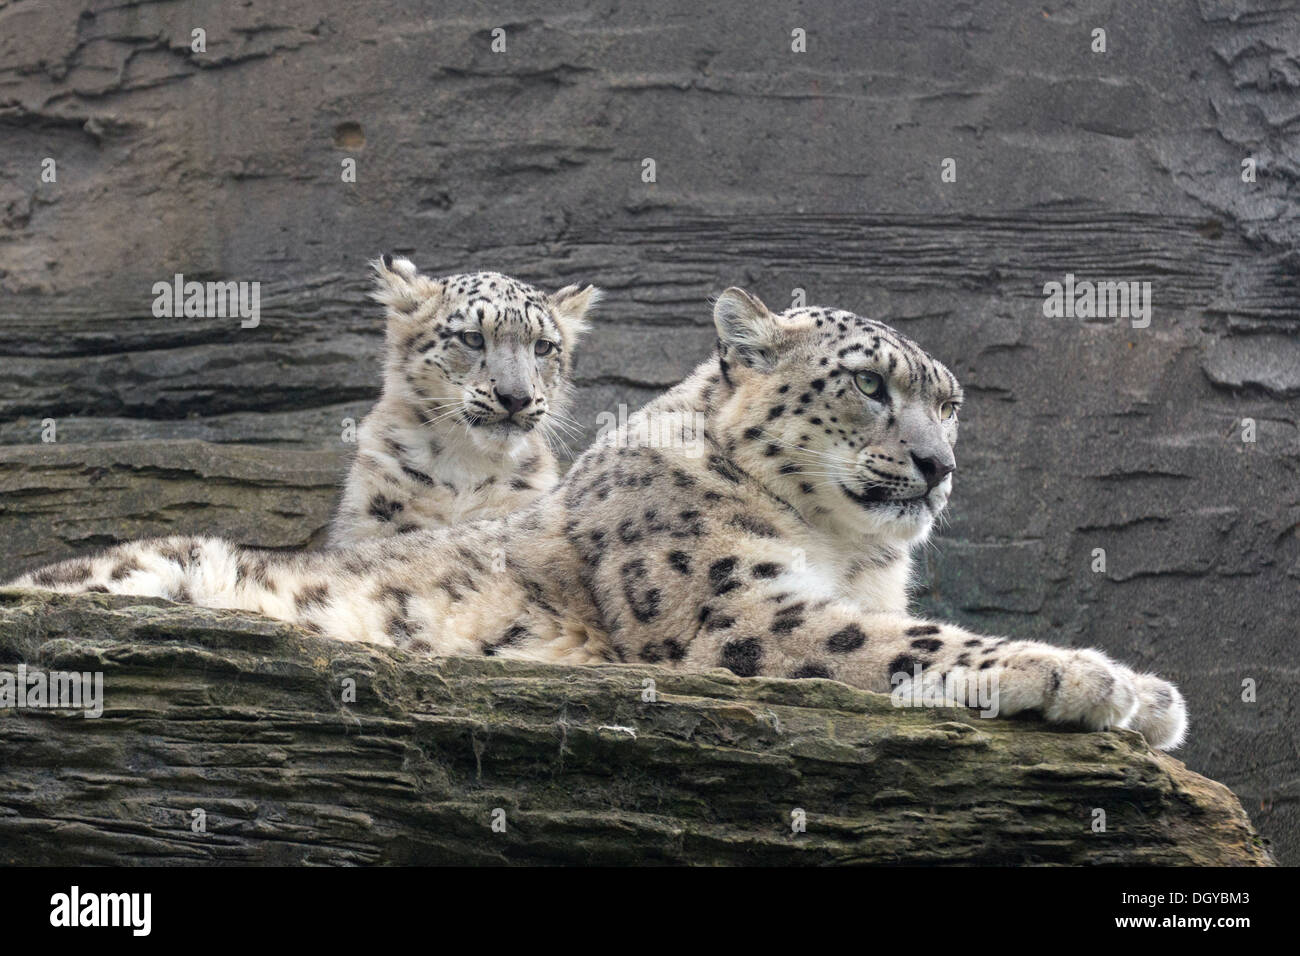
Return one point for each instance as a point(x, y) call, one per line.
point(568, 429)
point(551, 437)
point(443, 416)
point(820, 455)
point(568, 422)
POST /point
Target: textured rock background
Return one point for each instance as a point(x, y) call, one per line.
point(777, 171)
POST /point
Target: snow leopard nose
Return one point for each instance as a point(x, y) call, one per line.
point(512, 403)
point(933, 470)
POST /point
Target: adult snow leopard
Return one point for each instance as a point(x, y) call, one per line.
point(476, 377)
point(774, 543)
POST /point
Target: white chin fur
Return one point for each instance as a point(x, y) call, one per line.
point(499, 439)
point(911, 524)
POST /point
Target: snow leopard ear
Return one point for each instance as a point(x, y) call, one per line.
point(400, 287)
point(748, 329)
point(570, 306)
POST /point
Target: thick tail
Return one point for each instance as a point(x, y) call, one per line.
point(205, 571)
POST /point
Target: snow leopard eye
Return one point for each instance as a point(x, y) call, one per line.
point(870, 384)
point(543, 347)
point(948, 411)
point(473, 339)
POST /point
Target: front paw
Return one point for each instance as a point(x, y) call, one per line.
point(1161, 715)
point(1082, 687)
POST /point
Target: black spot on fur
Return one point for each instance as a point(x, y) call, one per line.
point(903, 664)
point(742, 657)
point(418, 475)
point(787, 619)
point(176, 555)
point(767, 569)
point(688, 524)
point(680, 561)
point(846, 639)
point(515, 634)
point(69, 572)
point(383, 509)
point(469, 557)
point(922, 629)
point(314, 595)
point(754, 526)
point(256, 567)
point(810, 670)
point(125, 567)
point(720, 575)
point(724, 367)
point(399, 630)
point(927, 644)
point(726, 468)
point(643, 601)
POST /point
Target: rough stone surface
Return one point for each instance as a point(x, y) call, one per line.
point(775, 170)
point(246, 720)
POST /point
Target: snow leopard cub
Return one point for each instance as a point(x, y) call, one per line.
point(476, 376)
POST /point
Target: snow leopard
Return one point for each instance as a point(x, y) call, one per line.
point(776, 541)
point(477, 378)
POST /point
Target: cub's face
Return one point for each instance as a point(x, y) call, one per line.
point(482, 350)
point(848, 420)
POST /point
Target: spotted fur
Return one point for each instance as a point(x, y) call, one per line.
point(777, 543)
point(461, 430)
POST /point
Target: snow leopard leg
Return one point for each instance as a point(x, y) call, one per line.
point(754, 635)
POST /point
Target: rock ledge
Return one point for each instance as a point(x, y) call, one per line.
point(244, 719)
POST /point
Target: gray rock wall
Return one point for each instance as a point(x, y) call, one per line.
point(775, 170)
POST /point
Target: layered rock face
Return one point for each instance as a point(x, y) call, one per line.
point(1127, 482)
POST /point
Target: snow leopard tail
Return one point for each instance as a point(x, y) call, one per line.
point(204, 571)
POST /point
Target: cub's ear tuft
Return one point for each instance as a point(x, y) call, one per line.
point(570, 307)
point(748, 328)
point(399, 285)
